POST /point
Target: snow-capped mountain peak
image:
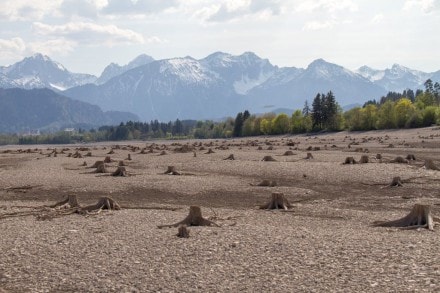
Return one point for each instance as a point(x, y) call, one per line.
point(114, 69)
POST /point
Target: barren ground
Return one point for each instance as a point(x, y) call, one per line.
point(326, 243)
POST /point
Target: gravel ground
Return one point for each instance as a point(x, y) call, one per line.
point(326, 243)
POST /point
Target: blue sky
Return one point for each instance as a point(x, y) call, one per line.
point(86, 35)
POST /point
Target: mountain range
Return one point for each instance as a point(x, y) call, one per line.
point(22, 110)
point(218, 85)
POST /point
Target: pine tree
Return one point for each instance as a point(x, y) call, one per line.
point(238, 125)
point(306, 110)
point(317, 111)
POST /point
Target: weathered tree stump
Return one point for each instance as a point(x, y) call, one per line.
point(230, 157)
point(182, 231)
point(104, 203)
point(163, 153)
point(396, 182)
point(128, 157)
point(96, 164)
point(193, 219)
point(171, 170)
point(364, 159)
point(210, 151)
point(268, 159)
point(101, 169)
point(120, 172)
point(288, 153)
point(260, 148)
point(379, 156)
point(111, 152)
point(399, 160)
point(267, 183)
point(84, 164)
point(410, 157)
point(89, 154)
point(107, 159)
point(277, 201)
point(419, 217)
point(429, 165)
point(70, 202)
point(309, 156)
point(349, 160)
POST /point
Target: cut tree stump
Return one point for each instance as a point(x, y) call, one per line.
point(429, 165)
point(193, 219)
point(182, 231)
point(120, 172)
point(349, 160)
point(268, 159)
point(288, 153)
point(107, 159)
point(100, 169)
point(364, 159)
point(104, 203)
point(266, 183)
point(96, 164)
point(309, 156)
point(419, 217)
point(397, 182)
point(399, 160)
point(410, 157)
point(171, 170)
point(230, 157)
point(210, 151)
point(128, 157)
point(277, 201)
point(70, 202)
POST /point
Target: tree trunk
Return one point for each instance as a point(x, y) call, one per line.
point(278, 201)
point(193, 219)
point(419, 217)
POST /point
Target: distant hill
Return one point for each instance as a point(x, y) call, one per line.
point(24, 110)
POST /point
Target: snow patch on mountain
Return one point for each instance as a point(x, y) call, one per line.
point(245, 84)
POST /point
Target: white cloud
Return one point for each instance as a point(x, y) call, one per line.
point(326, 5)
point(90, 33)
point(57, 46)
point(316, 25)
point(12, 45)
point(23, 10)
point(137, 7)
point(378, 18)
point(426, 6)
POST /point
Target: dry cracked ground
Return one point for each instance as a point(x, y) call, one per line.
point(325, 243)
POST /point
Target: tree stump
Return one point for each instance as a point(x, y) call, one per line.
point(101, 169)
point(84, 164)
point(120, 172)
point(163, 153)
point(193, 219)
point(364, 159)
point(70, 202)
point(379, 156)
point(171, 170)
point(104, 203)
point(182, 231)
point(410, 157)
point(210, 151)
point(266, 183)
point(89, 154)
point(399, 160)
point(107, 159)
point(277, 201)
point(260, 148)
point(288, 153)
point(349, 160)
point(268, 159)
point(419, 217)
point(397, 182)
point(96, 164)
point(128, 157)
point(429, 165)
point(230, 157)
point(111, 152)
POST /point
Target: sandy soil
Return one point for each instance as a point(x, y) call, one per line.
point(326, 243)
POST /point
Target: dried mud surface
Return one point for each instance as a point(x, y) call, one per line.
point(326, 243)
